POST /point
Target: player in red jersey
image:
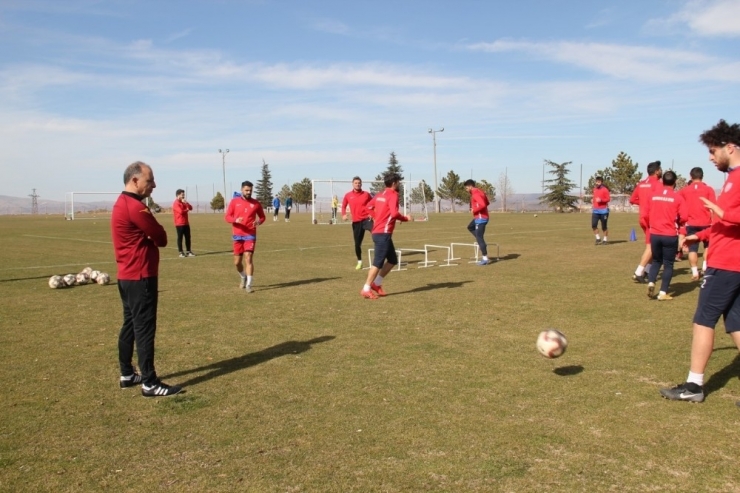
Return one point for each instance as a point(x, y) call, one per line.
point(180, 209)
point(600, 210)
point(385, 215)
point(357, 200)
point(700, 218)
point(479, 207)
point(665, 209)
point(245, 214)
point(640, 197)
point(137, 238)
point(720, 289)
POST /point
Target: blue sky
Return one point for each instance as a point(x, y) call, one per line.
point(327, 89)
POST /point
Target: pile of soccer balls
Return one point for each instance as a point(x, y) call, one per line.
point(87, 276)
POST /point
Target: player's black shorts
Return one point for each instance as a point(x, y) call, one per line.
point(719, 296)
point(384, 250)
point(692, 230)
point(596, 217)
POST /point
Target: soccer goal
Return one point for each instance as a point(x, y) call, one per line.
point(327, 195)
point(94, 203)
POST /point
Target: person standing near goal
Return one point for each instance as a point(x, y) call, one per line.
point(719, 295)
point(477, 227)
point(137, 238)
point(275, 208)
point(245, 214)
point(288, 207)
point(357, 200)
point(180, 209)
point(385, 212)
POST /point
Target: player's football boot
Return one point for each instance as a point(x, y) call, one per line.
point(359, 265)
point(378, 289)
point(243, 283)
point(664, 297)
point(368, 295)
point(690, 392)
point(640, 279)
point(249, 289)
point(651, 290)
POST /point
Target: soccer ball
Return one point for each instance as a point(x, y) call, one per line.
point(56, 282)
point(551, 343)
point(103, 278)
point(82, 278)
point(94, 275)
point(70, 279)
point(87, 271)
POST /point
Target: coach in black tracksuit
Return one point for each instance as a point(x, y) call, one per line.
point(137, 237)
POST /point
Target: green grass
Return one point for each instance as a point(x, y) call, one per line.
point(303, 386)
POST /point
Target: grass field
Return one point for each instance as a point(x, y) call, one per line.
point(303, 386)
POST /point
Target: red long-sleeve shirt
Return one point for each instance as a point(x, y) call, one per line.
point(699, 215)
point(479, 204)
point(247, 212)
point(357, 202)
point(724, 235)
point(385, 211)
point(644, 190)
point(666, 208)
point(180, 212)
point(136, 238)
point(601, 198)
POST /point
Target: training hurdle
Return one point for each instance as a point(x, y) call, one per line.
point(370, 259)
point(443, 263)
point(476, 247)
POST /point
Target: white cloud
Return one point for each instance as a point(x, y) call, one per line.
point(709, 18)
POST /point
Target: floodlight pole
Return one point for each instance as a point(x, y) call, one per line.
point(223, 167)
point(436, 187)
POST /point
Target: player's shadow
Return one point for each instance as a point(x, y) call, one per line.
point(221, 252)
point(566, 371)
point(299, 282)
point(719, 380)
point(227, 366)
point(26, 278)
point(679, 288)
point(432, 287)
point(617, 242)
point(511, 256)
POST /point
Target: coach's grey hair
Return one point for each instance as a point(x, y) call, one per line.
point(133, 169)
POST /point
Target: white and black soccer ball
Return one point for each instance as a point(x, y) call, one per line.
point(56, 282)
point(70, 280)
point(82, 278)
point(103, 278)
point(87, 271)
point(94, 275)
point(551, 343)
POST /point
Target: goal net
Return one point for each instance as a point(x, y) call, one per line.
point(87, 205)
point(327, 195)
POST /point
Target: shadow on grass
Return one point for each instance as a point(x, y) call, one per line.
point(433, 286)
point(720, 379)
point(297, 283)
point(680, 288)
point(221, 252)
point(248, 360)
point(566, 371)
point(511, 256)
point(614, 242)
point(26, 278)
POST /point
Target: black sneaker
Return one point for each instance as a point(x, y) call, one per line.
point(160, 389)
point(598, 242)
point(130, 380)
point(182, 255)
point(642, 279)
point(190, 254)
point(690, 392)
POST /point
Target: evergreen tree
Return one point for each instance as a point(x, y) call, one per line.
point(284, 193)
point(452, 189)
point(393, 167)
point(417, 197)
point(559, 188)
point(620, 178)
point(263, 188)
point(488, 189)
point(301, 192)
point(217, 203)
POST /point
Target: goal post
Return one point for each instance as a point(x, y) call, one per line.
point(325, 194)
point(104, 204)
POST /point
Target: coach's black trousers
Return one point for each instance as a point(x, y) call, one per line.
point(183, 231)
point(139, 300)
point(358, 231)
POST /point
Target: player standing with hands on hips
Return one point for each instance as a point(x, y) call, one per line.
point(719, 295)
point(180, 209)
point(600, 210)
point(477, 227)
point(385, 206)
point(245, 214)
point(137, 238)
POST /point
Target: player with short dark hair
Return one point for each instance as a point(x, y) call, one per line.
point(245, 214)
point(640, 197)
point(720, 289)
point(357, 200)
point(479, 208)
point(700, 218)
point(385, 215)
point(600, 210)
point(180, 209)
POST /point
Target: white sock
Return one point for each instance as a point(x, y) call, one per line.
point(359, 262)
point(249, 280)
point(697, 378)
point(604, 237)
point(597, 237)
point(662, 293)
point(243, 275)
point(366, 287)
point(379, 281)
point(485, 257)
point(640, 269)
point(695, 271)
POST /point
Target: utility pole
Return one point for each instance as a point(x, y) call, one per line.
point(223, 167)
point(34, 202)
point(436, 186)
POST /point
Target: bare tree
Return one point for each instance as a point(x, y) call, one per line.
point(505, 189)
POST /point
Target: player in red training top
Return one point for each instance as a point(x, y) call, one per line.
point(600, 210)
point(357, 200)
point(719, 295)
point(180, 209)
point(385, 215)
point(640, 197)
point(700, 218)
point(665, 210)
point(245, 214)
point(477, 227)
point(137, 238)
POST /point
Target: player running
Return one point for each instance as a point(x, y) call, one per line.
point(357, 200)
point(245, 214)
point(700, 218)
point(640, 197)
point(477, 227)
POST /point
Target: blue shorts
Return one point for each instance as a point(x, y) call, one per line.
point(719, 296)
point(692, 230)
point(596, 217)
point(384, 250)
